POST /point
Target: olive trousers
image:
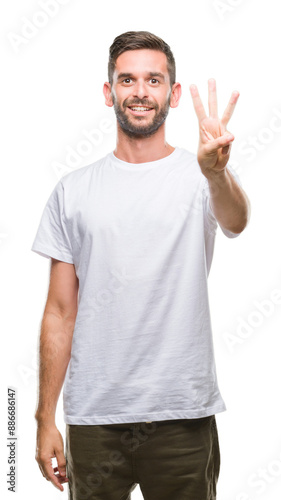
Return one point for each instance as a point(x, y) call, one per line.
point(169, 459)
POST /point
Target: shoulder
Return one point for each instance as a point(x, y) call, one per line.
point(81, 176)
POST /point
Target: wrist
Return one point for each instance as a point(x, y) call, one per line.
point(45, 418)
point(218, 178)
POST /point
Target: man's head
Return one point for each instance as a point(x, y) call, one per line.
point(141, 72)
point(136, 40)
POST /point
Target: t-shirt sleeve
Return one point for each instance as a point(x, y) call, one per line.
point(210, 219)
point(52, 239)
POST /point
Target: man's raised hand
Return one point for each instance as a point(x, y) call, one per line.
point(214, 140)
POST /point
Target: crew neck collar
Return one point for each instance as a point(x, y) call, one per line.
point(146, 165)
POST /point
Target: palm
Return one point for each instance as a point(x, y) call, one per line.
point(213, 126)
point(214, 140)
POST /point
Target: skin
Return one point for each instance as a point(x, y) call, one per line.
point(140, 139)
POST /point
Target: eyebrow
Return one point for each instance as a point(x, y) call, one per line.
point(151, 74)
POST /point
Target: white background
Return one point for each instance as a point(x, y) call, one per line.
point(52, 92)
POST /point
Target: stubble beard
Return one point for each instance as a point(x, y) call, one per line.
point(141, 131)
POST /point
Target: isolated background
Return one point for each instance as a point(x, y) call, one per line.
point(51, 97)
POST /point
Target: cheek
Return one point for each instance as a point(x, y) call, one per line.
point(118, 98)
point(123, 99)
point(161, 98)
point(168, 95)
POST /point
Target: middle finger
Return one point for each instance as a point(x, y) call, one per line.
point(213, 105)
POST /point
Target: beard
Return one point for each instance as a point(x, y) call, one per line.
point(140, 131)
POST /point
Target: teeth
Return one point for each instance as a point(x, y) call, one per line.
point(135, 108)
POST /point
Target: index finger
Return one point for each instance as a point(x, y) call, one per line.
point(230, 108)
point(197, 103)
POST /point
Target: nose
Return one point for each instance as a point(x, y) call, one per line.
point(140, 90)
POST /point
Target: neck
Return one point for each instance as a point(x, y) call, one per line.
point(142, 150)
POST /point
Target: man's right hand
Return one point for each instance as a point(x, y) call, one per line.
point(50, 445)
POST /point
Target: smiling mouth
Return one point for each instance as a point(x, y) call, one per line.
point(140, 110)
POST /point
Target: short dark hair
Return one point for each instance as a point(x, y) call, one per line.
point(134, 40)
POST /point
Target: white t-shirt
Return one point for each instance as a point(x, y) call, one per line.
point(141, 237)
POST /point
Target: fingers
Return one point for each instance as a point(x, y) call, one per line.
point(47, 470)
point(50, 445)
point(61, 462)
point(230, 108)
point(207, 134)
point(61, 477)
point(213, 105)
point(223, 141)
point(197, 103)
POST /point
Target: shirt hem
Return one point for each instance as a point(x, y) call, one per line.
point(144, 417)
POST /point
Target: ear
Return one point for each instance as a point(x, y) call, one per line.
point(107, 94)
point(175, 95)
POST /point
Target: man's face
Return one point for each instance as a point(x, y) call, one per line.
point(141, 79)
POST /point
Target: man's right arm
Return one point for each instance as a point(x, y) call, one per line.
point(55, 350)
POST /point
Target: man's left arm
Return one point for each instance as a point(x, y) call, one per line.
point(228, 201)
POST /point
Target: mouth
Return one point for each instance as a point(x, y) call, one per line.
point(140, 110)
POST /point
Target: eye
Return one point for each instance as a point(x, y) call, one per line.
point(126, 79)
point(155, 80)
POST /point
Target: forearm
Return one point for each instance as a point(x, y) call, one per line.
point(228, 201)
point(55, 350)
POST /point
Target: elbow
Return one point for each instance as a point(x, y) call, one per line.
point(238, 229)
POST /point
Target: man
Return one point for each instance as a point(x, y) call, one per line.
point(127, 320)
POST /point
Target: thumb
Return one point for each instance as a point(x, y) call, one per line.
point(61, 462)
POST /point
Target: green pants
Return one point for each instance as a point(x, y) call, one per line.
point(169, 459)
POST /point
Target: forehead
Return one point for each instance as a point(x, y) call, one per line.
point(140, 62)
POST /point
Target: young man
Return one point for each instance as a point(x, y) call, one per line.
point(127, 318)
